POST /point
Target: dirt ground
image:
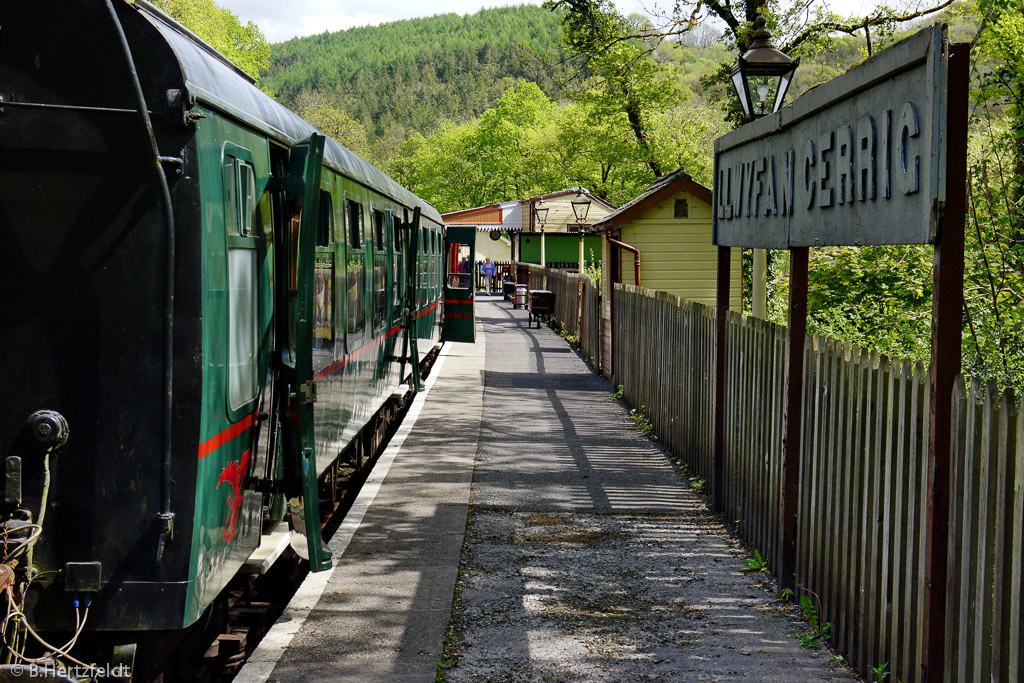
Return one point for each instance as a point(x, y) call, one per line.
point(618, 597)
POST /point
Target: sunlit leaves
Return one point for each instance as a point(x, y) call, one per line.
point(243, 45)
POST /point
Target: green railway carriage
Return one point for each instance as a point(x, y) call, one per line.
point(204, 302)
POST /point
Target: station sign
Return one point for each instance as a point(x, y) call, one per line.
point(857, 160)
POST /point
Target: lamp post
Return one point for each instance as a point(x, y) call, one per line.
point(541, 212)
point(762, 74)
point(580, 207)
point(761, 77)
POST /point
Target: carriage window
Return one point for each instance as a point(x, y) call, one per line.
point(323, 283)
point(239, 197)
point(323, 306)
point(378, 230)
point(355, 224)
point(242, 318)
point(380, 275)
point(397, 271)
point(324, 231)
point(459, 267)
point(242, 224)
point(354, 286)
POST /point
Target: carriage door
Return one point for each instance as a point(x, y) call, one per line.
point(459, 285)
point(299, 390)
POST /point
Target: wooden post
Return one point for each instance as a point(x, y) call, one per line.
point(796, 332)
point(947, 327)
point(721, 312)
point(759, 290)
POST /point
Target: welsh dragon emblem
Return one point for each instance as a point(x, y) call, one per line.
point(232, 474)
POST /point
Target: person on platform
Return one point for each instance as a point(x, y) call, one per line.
point(487, 270)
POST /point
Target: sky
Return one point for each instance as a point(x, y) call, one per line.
point(280, 21)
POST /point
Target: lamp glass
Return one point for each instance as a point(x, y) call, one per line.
point(739, 83)
point(542, 213)
point(580, 207)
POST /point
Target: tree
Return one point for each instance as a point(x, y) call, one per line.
point(243, 45)
point(597, 35)
point(994, 277)
point(328, 116)
point(616, 74)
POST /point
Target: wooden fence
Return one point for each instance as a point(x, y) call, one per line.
point(862, 497)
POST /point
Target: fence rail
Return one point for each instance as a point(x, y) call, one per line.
point(862, 503)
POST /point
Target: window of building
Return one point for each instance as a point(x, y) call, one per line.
point(682, 209)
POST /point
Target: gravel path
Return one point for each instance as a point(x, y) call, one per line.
point(586, 558)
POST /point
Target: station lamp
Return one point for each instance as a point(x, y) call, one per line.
point(762, 75)
point(541, 212)
point(580, 207)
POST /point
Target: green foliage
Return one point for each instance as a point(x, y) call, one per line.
point(243, 45)
point(787, 594)
point(407, 77)
point(697, 484)
point(616, 395)
point(592, 269)
point(994, 277)
point(817, 633)
point(616, 77)
point(879, 673)
point(525, 145)
point(878, 297)
point(642, 422)
point(756, 563)
point(573, 339)
point(327, 115)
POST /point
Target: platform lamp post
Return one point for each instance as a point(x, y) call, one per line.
point(762, 76)
point(580, 207)
point(541, 212)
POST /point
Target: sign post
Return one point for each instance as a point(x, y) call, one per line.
point(865, 159)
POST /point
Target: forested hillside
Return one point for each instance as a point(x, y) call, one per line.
point(407, 76)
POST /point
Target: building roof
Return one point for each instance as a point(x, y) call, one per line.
point(572, 191)
point(662, 189)
point(468, 215)
point(509, 215)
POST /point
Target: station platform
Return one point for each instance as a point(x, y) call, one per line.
point(519, 528)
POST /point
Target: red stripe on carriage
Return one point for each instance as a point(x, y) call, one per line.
point(428, 310)
point(215, 442)
point(334, 367)
point(212, 444)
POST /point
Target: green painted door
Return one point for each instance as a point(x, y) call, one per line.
point(459, 285)
point(303, 188)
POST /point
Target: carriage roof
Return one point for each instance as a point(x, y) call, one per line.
point(213, 80)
